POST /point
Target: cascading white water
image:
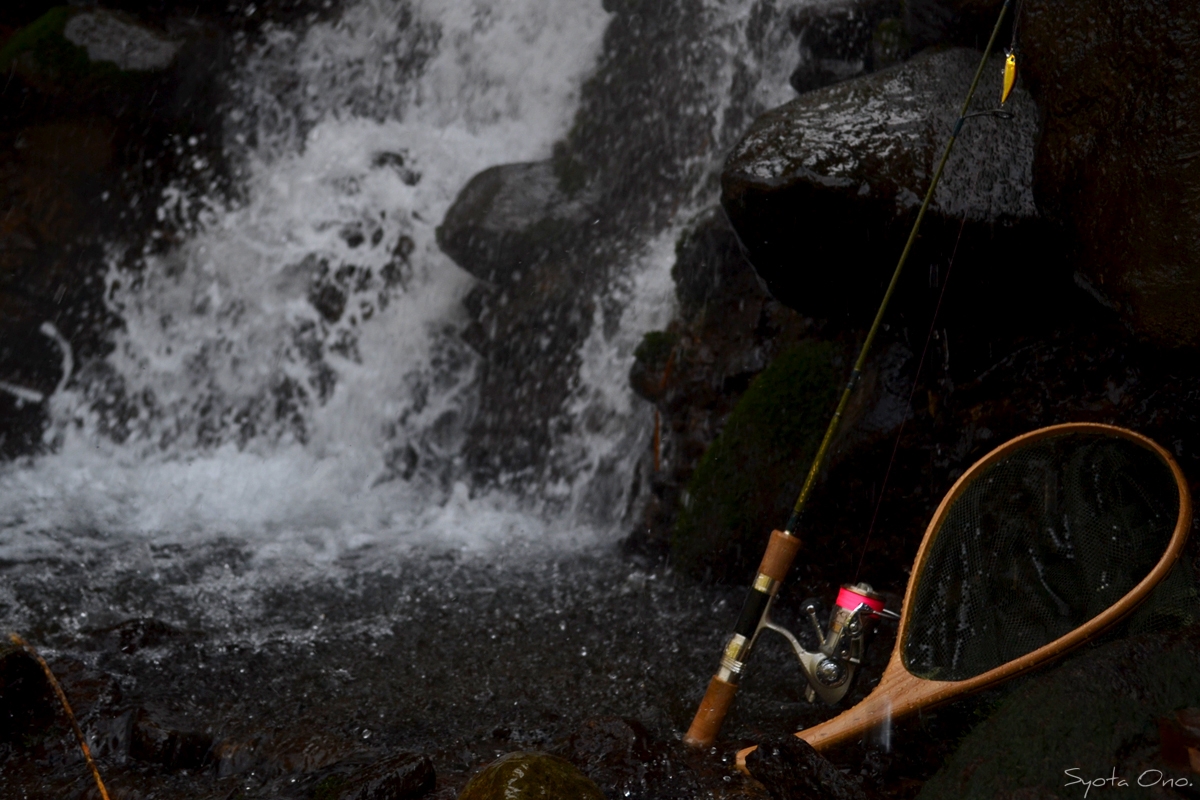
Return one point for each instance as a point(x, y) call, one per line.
point(279, 362)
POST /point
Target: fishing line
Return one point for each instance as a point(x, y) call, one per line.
point(908, 407)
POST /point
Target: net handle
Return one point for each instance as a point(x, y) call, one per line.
point(900, 693)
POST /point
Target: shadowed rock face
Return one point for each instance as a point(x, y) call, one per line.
point(1119, 159)
point(823, 192)
point(1023, 749)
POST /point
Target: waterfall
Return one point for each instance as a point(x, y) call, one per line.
point(290, 369)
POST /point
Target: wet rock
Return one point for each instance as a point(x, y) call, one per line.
point(625, 761)
point(510, 219)
point(844, 40)
point(275, 752)
point(527, 776)
point(792, 770)
point(823, 192)
point(1037, 733)
point(399, 777)
point(120, 40)
point(135, 634)
point(516, 228)
point(696, 370)
point(148, 741)
point(613, 752)
point(1119, 87)
point(27, 703)
point(49, 175)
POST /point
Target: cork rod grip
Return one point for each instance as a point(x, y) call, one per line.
point(711, 713)
point(781, 552)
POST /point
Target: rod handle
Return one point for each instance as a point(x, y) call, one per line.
point(781, 552)
point(711, 713)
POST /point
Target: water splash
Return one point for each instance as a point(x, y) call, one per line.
point(290, 370)
point(280, 363)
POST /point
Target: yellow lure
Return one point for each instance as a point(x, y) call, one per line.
point(1010, 77)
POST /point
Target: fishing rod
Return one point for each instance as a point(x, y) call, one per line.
point(830, 670)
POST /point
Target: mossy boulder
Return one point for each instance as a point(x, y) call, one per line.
point(531, 776)
point(749, 477)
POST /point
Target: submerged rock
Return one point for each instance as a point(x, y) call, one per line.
point(531, 776)
point(823, 192)
point(1118, 163)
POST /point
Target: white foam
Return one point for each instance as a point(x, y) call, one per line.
point(242, 412)
point(215, 327)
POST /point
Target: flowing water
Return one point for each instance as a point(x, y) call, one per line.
point(270, 461)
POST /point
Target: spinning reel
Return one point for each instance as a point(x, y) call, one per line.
point(830, 669)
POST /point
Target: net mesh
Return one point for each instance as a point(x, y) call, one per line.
point(1040, 542)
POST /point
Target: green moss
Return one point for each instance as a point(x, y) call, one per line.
point(748, 478)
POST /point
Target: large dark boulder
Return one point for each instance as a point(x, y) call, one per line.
point(823, 192)
point(510, 219)
point(1118, 164)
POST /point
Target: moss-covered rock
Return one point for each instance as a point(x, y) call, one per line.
point(531, 776)
point(747, 480)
